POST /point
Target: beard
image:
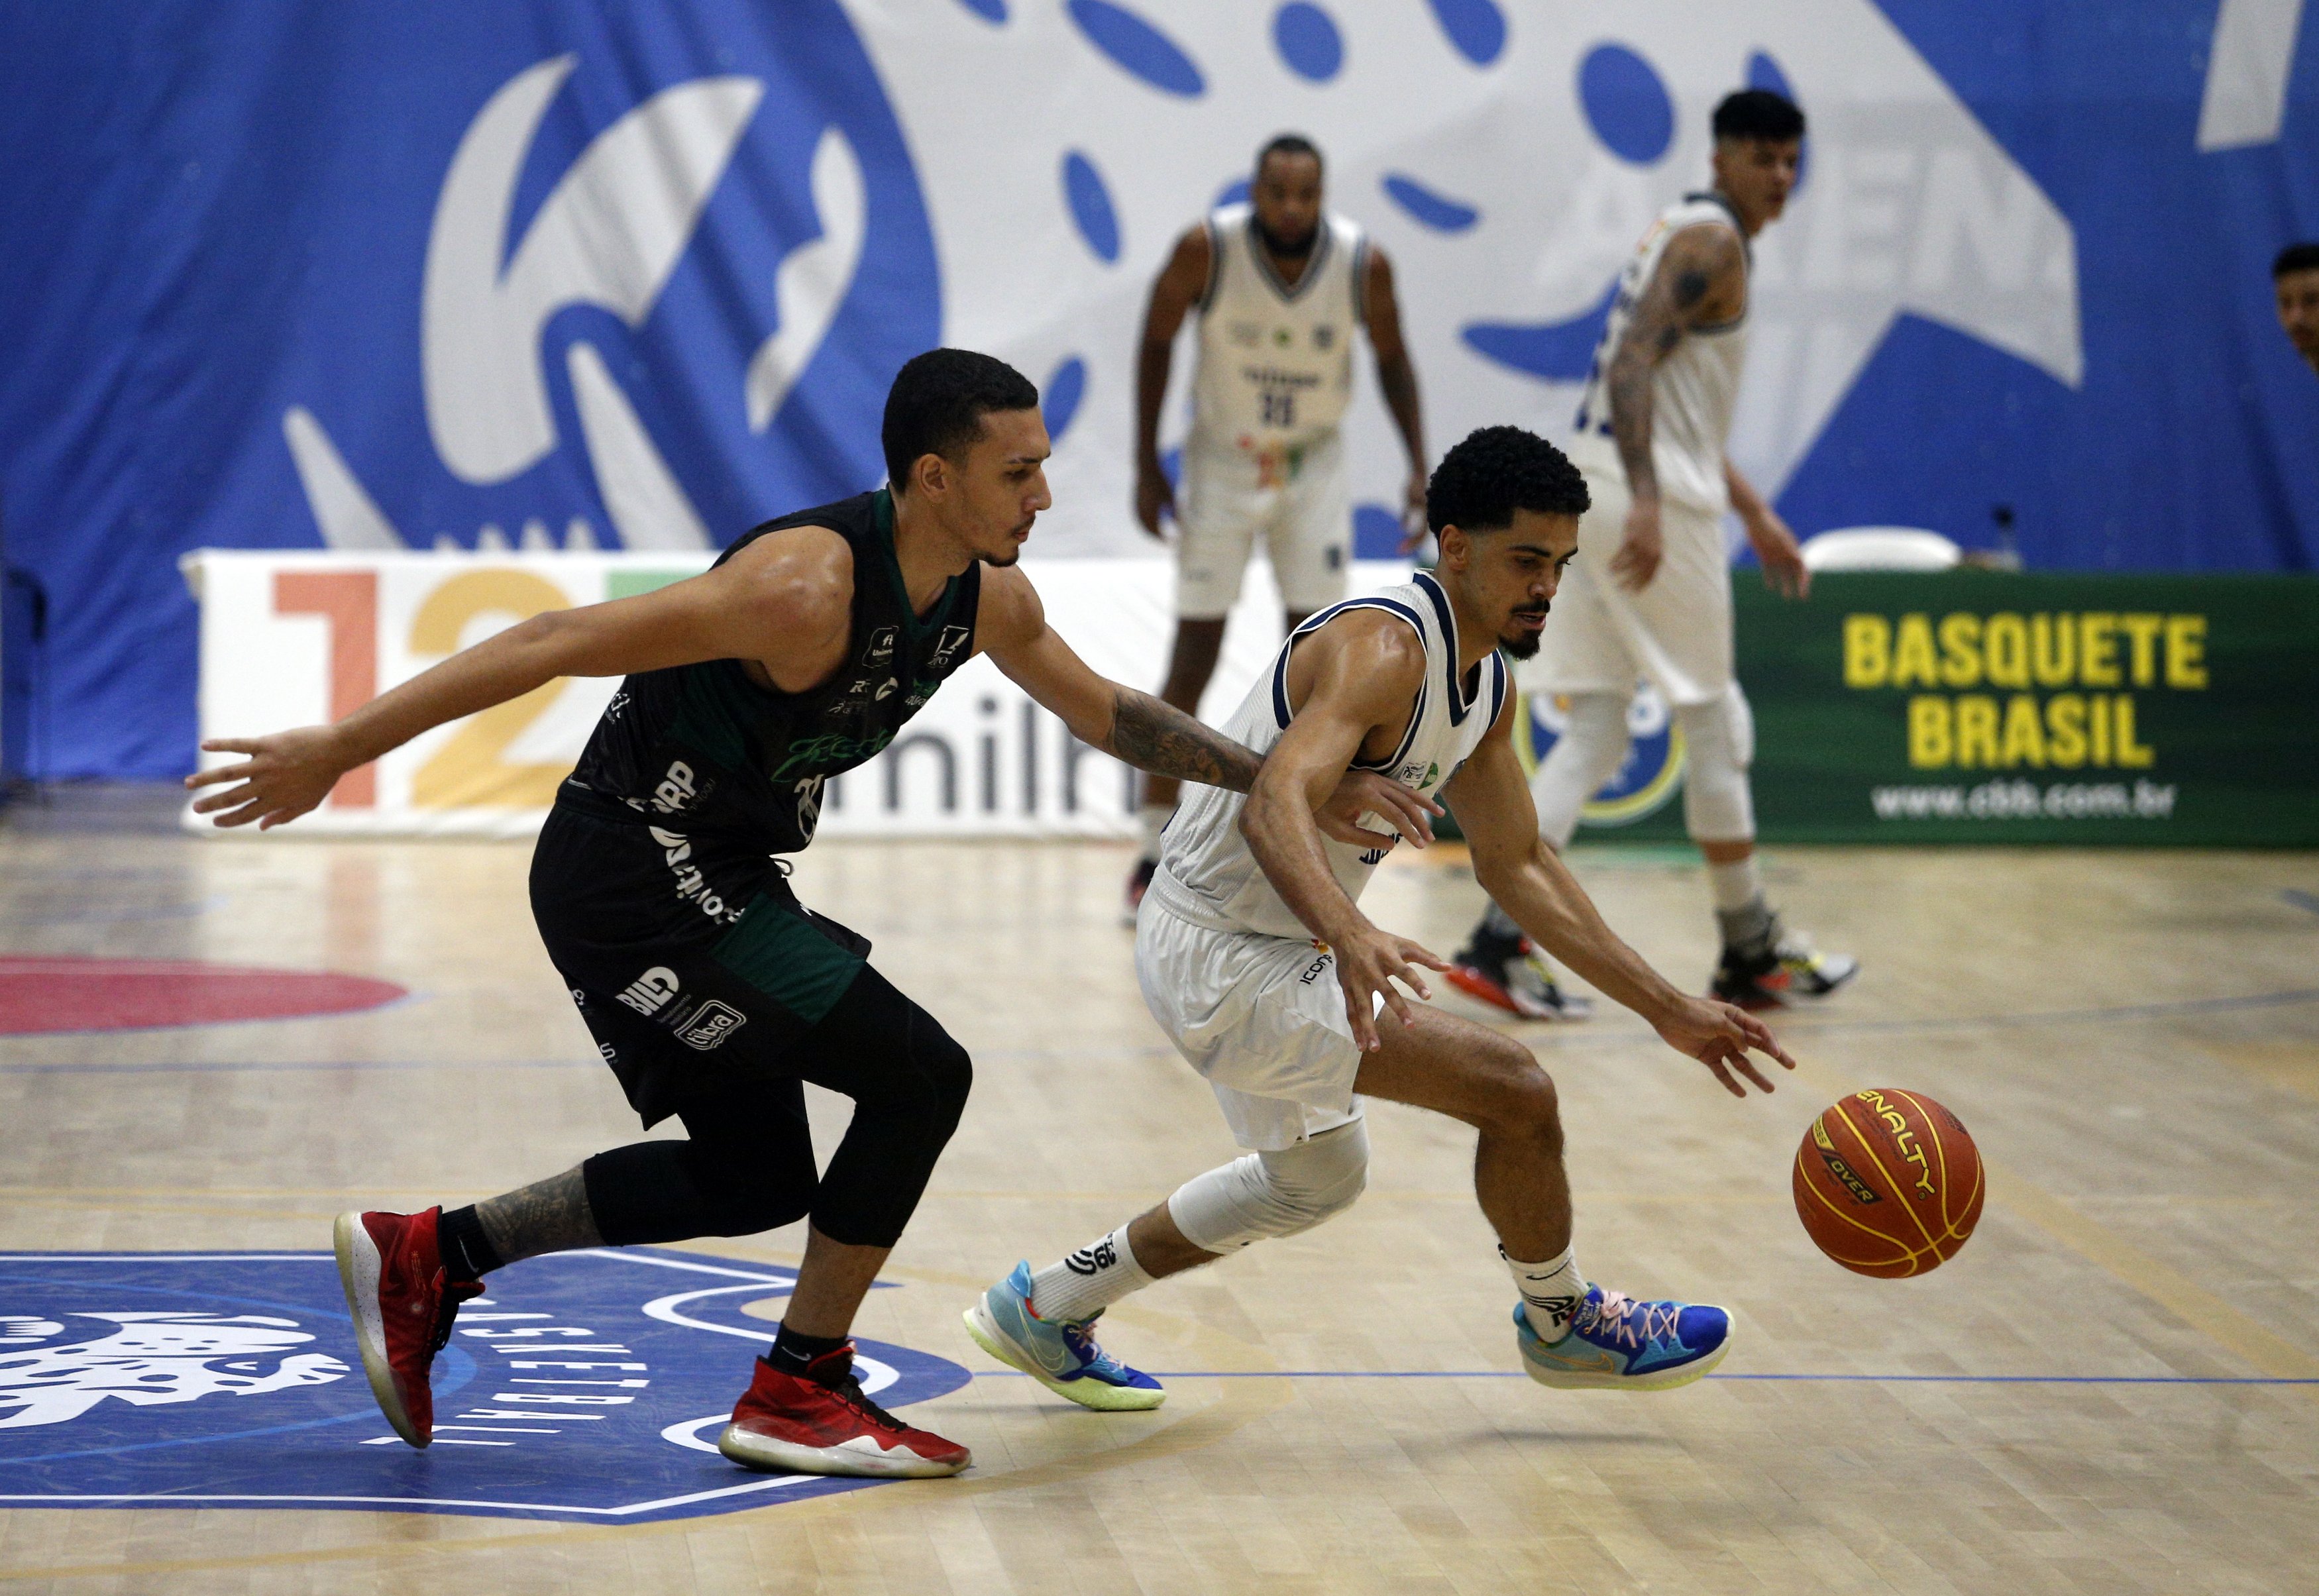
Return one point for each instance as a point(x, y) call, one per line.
point(1524, 645)
point(1279, 245)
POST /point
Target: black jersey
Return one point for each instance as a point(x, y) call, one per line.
point(704, 750)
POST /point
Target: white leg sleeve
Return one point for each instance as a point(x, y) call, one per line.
point(1274, 1194)
point(1719, 740)
point(1581, 760)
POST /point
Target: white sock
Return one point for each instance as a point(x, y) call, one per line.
point(1736, 885)
point(1550, 1292)
point(1153, 818)
point(1078, 1287)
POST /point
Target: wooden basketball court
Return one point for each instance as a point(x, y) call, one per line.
point(2115, 1388)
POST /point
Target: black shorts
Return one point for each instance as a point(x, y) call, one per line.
point(695, 966)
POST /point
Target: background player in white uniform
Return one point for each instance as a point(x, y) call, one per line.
point(1281, 285)
point(1651, 430)
point(1258, 963)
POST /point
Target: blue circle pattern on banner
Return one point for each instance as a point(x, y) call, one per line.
point(1059, 403)
point(989, 10)
point(1626, 103)
point(1308, 41)
point(1090, 203)
point(1476, 27)
point(1428, 207)
point(1138, 47)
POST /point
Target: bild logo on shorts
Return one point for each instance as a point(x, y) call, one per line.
point(587, 1385)
point(649, 993)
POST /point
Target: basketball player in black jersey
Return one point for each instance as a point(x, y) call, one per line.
point(711, 992)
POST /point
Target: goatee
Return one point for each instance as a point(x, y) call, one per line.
point(1276, 245)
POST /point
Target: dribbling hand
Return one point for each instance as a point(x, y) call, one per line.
point(1719, 1036)
point(284, 775)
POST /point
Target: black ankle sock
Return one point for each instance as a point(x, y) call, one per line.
point(792, 1352)
point(467, 1253)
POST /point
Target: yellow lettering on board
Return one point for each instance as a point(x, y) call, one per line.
point(2097, 707)
point(2097, 649)
point(2005, 642)
point(1961, 649)
point(2024, 733)
point(2142, 640)
point(2186, 651)
point(2053, 649)
point(1976, 730)
point(1867, 650)
point(2065, 730)
point(1914, 664)
point(1931, 741)
point(2130, 753)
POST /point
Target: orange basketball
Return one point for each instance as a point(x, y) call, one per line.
point(1888, 1182)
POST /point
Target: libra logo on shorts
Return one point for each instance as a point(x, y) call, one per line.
point(1646, 778)
point(587, 1385)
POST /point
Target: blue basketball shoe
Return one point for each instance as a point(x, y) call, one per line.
point(1060, 1355)
point(1618, 1344)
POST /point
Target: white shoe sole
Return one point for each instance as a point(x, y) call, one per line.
point(358, 1267)
point(861, 1457)
point(1087, 1393)
point(1572, 1380)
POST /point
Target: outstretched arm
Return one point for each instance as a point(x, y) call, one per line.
point(1397, 380)
point(1531, 883)
point(784, 601)
point(1153, 735)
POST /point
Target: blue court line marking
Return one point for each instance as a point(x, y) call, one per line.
point(2301, 899)
point(1870, 1379)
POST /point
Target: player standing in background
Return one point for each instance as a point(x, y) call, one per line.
point(1650, 437)
point(2295, 276)
point(1281, 285)
point(710, 990)
point(1255, 958)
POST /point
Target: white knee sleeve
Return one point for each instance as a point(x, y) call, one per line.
point(1274, 1194)
point(1719, 739)
point(1581, 761)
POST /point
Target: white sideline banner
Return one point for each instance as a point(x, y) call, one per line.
point(292, 639)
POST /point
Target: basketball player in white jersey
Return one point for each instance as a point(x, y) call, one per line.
point(1256, 959)
point(1652, 595)
point(1282, 286)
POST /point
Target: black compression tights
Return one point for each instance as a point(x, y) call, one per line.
point(749, 1164)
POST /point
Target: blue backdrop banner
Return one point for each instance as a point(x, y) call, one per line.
point(373, 276)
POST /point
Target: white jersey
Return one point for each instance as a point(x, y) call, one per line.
point(1207, 873)
point(1276, 360)
point(1694, 388)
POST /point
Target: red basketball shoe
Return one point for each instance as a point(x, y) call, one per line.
point(819, 1423)
point(402, 1304)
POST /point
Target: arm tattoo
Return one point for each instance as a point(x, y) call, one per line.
point(1686, 274)
point(551, 1215)
point(1156, 737)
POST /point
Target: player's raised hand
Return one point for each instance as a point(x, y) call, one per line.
point(1642, 548)
point(1369, 962)
point(1153, 497)
point(1719, 1035)
point(1365, 792)
point(284, 775)
point(1782, 555)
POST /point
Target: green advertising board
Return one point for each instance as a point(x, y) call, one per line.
point(1987, 706)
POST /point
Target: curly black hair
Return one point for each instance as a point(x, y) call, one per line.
point(1497, 471)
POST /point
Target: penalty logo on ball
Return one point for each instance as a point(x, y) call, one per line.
point(586, 1385)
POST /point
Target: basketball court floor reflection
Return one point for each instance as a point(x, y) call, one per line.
point(2114, 1387)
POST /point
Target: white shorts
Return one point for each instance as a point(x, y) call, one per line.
point(1601, 638)
point(1261, 1017)
point(1297, 499)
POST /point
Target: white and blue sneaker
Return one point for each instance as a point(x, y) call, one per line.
point(1618, 1344)
point(1060, 1355)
